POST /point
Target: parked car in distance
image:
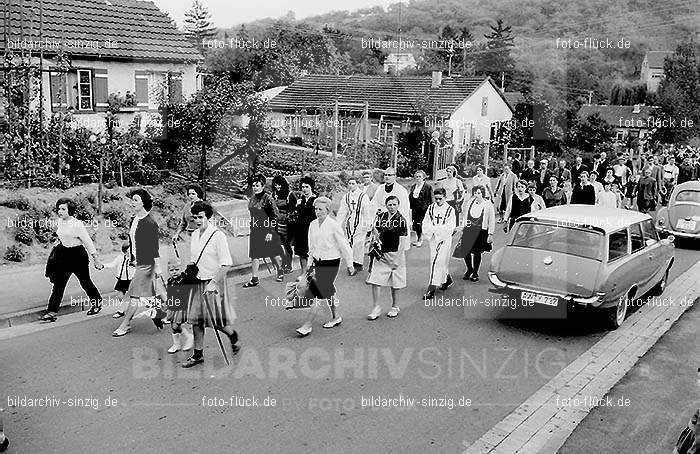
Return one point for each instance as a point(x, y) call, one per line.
point(582, 256)
point(682, 215)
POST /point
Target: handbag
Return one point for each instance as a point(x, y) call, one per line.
point(298, 294)
point(180, 285)
point(52, 264)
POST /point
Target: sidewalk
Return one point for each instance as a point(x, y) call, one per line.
point(24, 291)
point(658, 395)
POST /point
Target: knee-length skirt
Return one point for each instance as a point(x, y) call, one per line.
point(220, 310)
point(384, 275)
point(143, 284)
point(323, 284)
point(259, 248)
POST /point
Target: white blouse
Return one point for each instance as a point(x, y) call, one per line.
point(214, 256)
point(72, 232)
point(327, 242)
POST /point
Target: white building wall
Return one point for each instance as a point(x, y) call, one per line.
point(468, 119)
point(121, 78)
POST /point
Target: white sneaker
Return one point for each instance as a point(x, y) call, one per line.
point(188, 342)
point(176, 344)
point(419, 243)
point(333, 323)
point(393, 312)
point(375, 313)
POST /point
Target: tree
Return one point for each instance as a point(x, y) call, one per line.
point(590, 133)
point(679, 97)
point(198, 25)
point(496, 58)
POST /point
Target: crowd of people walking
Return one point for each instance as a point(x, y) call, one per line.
point(374, 227)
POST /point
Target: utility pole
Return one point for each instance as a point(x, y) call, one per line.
point(503, 82)
point(336, 124)
point(590, 96)
point(367, 130)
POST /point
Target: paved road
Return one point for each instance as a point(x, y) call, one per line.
point(428, 353)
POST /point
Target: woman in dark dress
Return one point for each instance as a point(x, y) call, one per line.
point(520, 203)
point(286, 203)
point(584, 193)
point(477, 232)
point(420, 197)
point(264, 238)
point(305, 214)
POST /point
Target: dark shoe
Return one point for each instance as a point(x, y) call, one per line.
point(447, 283)
point(474, 278)
point(466, 276)
point(357, 266)
point(118, 314)
point(49, 317)
point(287, 269)
point(280, 277)
point(233, 338)
point(158, 322)
point(251, 283)
point(430, 293)
point(192, 361)
point(4, 444)
point(94, 309)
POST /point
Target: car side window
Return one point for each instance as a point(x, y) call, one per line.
point(617, 245)
point(650, 232)
point(637, 238)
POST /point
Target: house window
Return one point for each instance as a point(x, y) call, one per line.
point(141, 84)
point(484, 106)
point(72, 89)
point(493, 132)
point(84, 89)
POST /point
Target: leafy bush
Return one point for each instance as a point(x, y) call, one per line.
point(118, 216)
point(19, 203)
point(84, 209)
point(15, 253)
point(24, 233)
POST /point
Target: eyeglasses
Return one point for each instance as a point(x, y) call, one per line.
point(437, 199)
point(389, 174)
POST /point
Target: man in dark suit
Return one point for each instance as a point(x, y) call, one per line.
point(562, 173)
point(530, 173)
point(600, 163)
point(516, 165)
point(576, 170)
point(543, 174)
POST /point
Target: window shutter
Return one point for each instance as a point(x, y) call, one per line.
point(101, 88)
point(59, 96)
point(142, 88)
point(175, 92)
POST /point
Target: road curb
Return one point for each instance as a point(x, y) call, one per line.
point(69, 307)
point(544, 422)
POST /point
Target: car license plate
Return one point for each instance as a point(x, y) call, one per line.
point(530, 297)
point(686, 225)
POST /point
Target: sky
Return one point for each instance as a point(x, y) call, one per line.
point(226, 13)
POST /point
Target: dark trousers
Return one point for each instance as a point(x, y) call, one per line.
point(70, 261)
point(418, 216)
point(473, 262)
point(286, 240)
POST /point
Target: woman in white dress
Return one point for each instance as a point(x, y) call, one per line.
point(481, 179)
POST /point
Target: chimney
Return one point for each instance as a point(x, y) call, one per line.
point(636, 109)
point(437, 79)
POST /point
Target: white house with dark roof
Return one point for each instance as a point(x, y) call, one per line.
point(461, 109)
point(653, 68)
point(635, 121)
point(126, 48)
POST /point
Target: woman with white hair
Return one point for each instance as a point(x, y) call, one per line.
point(326, 246)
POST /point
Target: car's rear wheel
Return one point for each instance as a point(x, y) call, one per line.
point(616, 315)
point(661, 286)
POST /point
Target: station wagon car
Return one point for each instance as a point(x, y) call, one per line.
point(682, 215)
point(582, 256)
